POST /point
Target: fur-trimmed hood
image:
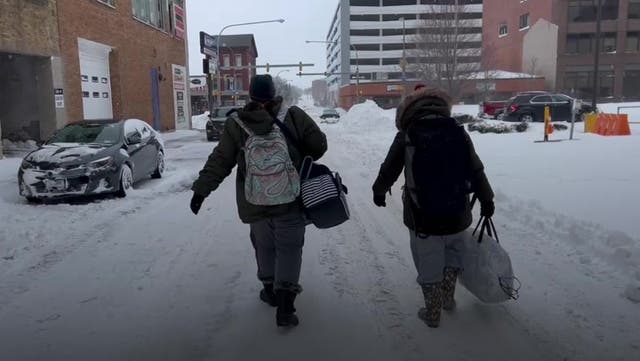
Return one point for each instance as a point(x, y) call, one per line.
point(424, 100)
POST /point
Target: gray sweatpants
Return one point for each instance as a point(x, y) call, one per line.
point(431, 254)
point(278, 244)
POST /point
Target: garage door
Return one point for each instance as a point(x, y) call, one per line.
point(95, 79)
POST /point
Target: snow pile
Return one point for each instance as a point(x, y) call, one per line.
point(497, 127)
point(369, 116)
point(200, 121)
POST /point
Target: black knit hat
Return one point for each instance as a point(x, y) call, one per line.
point(262, 88)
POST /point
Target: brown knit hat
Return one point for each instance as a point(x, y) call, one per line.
point(440, 103)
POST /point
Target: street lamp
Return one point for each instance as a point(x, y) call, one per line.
point(282, 71)
point(357, 63)
point(219, 95)
point(403, 62)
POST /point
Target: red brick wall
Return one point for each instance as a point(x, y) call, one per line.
point(247, 58)
point(137, 49)
point(505, 53)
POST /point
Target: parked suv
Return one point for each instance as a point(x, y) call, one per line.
point(215, 124)
point(529, 107)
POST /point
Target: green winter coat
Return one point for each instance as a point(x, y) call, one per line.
point(229, 153)
point(422, 103)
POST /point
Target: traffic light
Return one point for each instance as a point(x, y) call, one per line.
point(267, 67)
point(205, 66)
point(301, 67)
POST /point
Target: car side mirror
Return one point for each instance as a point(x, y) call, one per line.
point(134, 139)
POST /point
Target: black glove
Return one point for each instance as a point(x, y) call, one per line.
point(379, 200)
point(196, 203)
point(487, 209)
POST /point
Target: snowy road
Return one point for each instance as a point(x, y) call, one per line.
point(144, 279)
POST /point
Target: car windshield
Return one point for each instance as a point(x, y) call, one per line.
point(330, 111)
point(221, 112)
point(88, 134)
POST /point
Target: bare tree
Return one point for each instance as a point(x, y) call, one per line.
point(442, 44)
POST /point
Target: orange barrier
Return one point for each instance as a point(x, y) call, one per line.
point(591, 123)
point(612, 124)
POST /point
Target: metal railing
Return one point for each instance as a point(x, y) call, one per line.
point(629, 107)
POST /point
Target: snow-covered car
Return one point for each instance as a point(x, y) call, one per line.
point(92, 157)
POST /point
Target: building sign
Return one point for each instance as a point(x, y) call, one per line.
point(394, 88)
point(180, 96)
point(179, 78)
point(208, 44)
point(178, 21)
point(58, 93)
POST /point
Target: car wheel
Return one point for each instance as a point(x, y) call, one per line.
point(527, 118)
point(33, 200)
point(159, 167)
point(126, 181)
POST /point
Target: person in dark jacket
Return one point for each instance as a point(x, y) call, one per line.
point(435, 243)
point(277, 232)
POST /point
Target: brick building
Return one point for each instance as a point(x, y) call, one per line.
point(556, 39)
point(236, 51)
point(30, 68)
point(64, 61)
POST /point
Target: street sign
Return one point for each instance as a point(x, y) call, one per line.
point(208, 45)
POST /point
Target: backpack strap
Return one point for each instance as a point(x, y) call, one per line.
point(242, 124)
point(288, 135)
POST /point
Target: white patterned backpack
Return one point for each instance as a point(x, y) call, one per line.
point(271, 178)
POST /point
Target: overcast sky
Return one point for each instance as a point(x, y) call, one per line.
point(277, 43)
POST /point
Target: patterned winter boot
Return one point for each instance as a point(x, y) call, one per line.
point(449, 288)
point(267, 295)
point(286, 312)
point(433, 301)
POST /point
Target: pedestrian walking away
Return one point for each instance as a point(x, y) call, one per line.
point(441, 170)
point(267, 187)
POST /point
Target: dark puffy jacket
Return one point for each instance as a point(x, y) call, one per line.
point(419, 107)
point(229, 152)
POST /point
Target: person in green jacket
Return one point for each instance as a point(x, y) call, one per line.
point(277, 231)
point(437, 230)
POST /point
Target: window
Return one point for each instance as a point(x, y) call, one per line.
point(608, 43)
point(152, 12)
point(586, 10)
point(392, 32)
point(399, 46)
point(633, 42)
point(541, 99)
point(634, 9)
point(364, 2)
point(606, 81)
point(398, 2)
point(578, 82)
point(502, 31)
point(579, 43)
point(238, 83)
point(238, 59)
point(367, 47)
point(108, 2)
point(226, 60)
point(365, 61)
point(371, 32)
point(396, 17)
point(364, 18)
point(524, 21)
point(631, 81)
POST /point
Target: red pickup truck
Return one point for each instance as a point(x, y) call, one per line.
point(491, 109)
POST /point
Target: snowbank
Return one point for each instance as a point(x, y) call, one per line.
point(369, 116)
point(200, 121)
point(19, 146)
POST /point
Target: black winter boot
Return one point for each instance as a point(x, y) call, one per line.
point(268, 296)
point(285, 315)
point(433, 301)
point(449, 288)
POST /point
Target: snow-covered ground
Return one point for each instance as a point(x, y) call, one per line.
point(142, 278)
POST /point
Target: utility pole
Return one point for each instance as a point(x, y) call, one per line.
point(596, 60)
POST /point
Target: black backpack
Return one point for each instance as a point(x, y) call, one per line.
point(437, 168)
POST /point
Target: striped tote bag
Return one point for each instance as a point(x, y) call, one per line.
point(323, 195)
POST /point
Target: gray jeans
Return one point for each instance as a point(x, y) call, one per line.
point(432, 254)
point(278, 244)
